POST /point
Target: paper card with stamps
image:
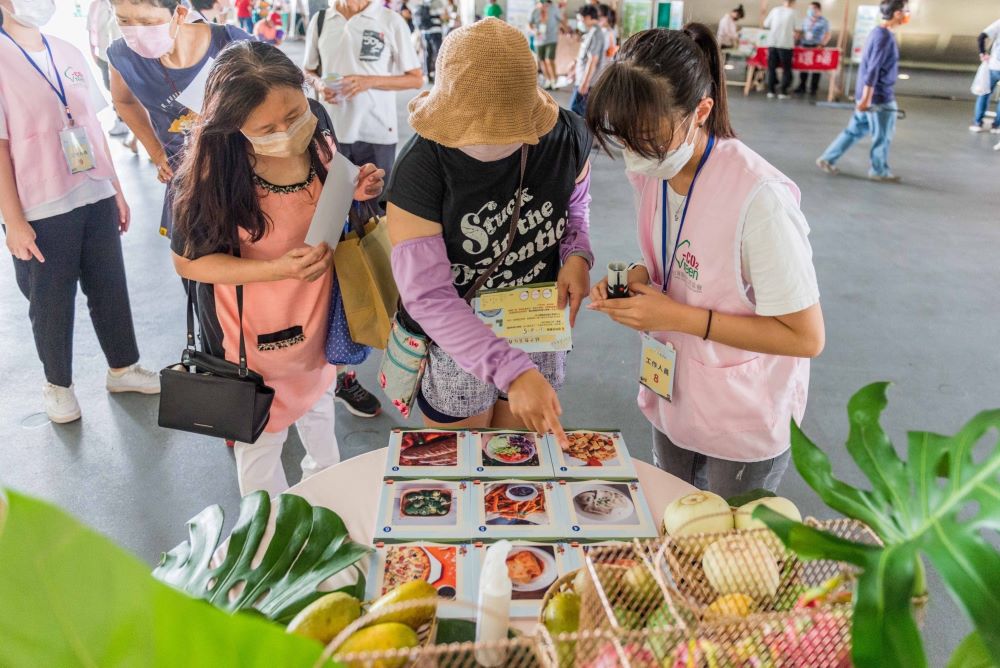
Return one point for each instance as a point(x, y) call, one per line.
point(532, 568)
point(606, 509)
point(517, 509)
point(592, 454)
point(510, 454)
point(423, 510)
point(450, 569)
point(428, 453)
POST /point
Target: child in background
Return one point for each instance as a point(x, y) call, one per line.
point(268, 29)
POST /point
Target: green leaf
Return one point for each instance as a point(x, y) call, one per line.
point(971, 653)
point(309, 545)
point(79, 600)
point(459, 630)
point(743, 499)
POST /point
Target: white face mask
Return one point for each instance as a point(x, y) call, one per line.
point(670, 166)
point(33, 13)
point(581, 26)
point(489, 152)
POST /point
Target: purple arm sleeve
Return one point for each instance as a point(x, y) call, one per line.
point(423, 273)
point(576, 239)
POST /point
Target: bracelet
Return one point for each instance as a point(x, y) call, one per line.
point(708, 328)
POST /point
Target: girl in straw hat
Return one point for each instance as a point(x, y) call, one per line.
point(451, 200)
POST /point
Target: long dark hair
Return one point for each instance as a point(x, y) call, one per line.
point(213, 191)
point(659, 74)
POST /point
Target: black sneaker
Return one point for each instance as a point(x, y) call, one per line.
point(357, 399)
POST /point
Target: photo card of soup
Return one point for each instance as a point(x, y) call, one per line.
point(606, 509)
point(428, 453)
point(517, 509)
point(448, 568)
point(423, 510)
point(532, 567)
point(510, 454)
point(592, 454)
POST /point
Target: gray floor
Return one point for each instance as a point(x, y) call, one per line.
point(908, 273)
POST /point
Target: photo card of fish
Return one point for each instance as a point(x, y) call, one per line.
point(424, 509)
point(592, 454)
point(528, 509)
point(429, 453)
point(532, 568)
point(510, 454)
point(605, 509)
point(450, 569)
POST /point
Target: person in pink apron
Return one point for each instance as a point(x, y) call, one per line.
point(726, 295)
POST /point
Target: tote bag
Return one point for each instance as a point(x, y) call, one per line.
point(981, 83)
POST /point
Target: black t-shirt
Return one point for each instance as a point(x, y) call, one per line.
point(474, 201)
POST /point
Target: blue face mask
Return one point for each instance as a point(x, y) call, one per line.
point(811, 13)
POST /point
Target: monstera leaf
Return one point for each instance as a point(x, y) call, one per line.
point(939, 502)
point(309, 545)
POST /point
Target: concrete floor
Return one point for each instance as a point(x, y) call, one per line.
point(908, 274)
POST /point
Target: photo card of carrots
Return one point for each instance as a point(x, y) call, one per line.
point(517, 509)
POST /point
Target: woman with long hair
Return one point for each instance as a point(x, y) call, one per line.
point(245, 194)
point(727, 287)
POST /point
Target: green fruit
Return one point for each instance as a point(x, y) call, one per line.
point(640, 586)
point(325, 617)
point(562, 614)
point(628, 619)
point(380, 637)
point(414, 617)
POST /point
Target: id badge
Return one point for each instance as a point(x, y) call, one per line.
point(77, 149)
point(657, 369)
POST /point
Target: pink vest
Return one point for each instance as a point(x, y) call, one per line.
point(35, 117)
point(727, 403)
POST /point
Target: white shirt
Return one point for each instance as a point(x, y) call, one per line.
point(776, 258)
point(102, 28)
point(993, 32)
point(728, 33)
point(781, 23)
point(374, 42)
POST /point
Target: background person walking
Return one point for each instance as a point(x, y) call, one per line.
point(780, 23)
point(815, 34)
point(991, 56)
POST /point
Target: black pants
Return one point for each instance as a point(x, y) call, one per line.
point(83, 247)
point(779, 58)
point(432, 44)
point(810, 78)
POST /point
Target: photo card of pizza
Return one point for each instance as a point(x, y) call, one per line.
point(423, 510)
point(606, 509)
point(510, 454)
point(450, 569)
point(532, 567)
point(428, 453)
point(528, 509)
point(592, 454)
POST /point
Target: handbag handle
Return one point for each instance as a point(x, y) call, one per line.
point(512, 232)
point(191, 287)
point(359, 215)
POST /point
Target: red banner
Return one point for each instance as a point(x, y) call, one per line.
point(805, 59)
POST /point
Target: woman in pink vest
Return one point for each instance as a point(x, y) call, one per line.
point(739, 306)
point(61, 205)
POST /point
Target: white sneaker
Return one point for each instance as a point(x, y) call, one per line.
point(118, 129)
point(827, 166)
point(771, 96)
point(60, 403)
point(977, 128)
point(782, 96)
point(885, 178)
point(134, 379)
point(995, 131)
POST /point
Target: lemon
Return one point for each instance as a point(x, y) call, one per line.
point(325, 617)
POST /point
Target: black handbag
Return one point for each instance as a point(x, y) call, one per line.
point(210, 395)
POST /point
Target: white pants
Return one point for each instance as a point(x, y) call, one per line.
point(258, 465)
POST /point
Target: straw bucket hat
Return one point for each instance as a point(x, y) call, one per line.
point(486, 90)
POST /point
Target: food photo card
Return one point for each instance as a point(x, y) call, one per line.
point(604, 509)
point(423, 510)
point(510, 454)
point(592, 454)
point(428, 453)
point(532, 568)
point(448, 568)
point(517, 509)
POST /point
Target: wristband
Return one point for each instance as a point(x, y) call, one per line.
point(708, 328)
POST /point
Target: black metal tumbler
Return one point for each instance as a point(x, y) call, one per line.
point(617, 280)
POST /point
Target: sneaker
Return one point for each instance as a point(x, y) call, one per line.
point(358, 400)
point(995, 130)
point(783, 96)
point(771, 96)
point(60, 403)
point(885, 178)
point(827, 166)
point(119, 129)
point(133, 379)
point(977, 128)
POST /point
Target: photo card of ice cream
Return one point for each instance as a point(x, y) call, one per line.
point(450, 569)
point(532, 568)
point(510, 454)
point(423, 510)
point(605, 509)
point(428, 453)
point(528, 509)
point(592, 454)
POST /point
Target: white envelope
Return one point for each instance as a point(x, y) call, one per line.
point(334, 202)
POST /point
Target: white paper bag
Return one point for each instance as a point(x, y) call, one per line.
point(981, 83)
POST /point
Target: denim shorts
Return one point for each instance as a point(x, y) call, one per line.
point(453, 395)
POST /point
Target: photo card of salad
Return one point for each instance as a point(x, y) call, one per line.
point(510, 454)
point(592, 454)
point(428, 453)
point(517, 509)
point(606, 509)
point(450, 569)
point(423, 510)
point(532, 567)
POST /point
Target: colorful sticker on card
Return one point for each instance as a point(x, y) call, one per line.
point(77, 149)
point(656, 372)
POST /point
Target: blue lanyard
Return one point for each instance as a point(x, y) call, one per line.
point(668, 269)
point(61, 91)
